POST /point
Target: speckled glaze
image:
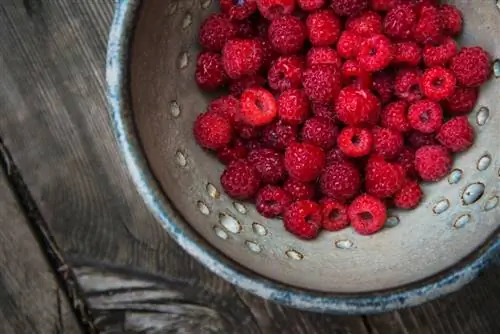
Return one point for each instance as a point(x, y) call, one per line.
point(380, 300)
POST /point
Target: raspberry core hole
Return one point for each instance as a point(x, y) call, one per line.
point(334, 214)
point(424, 117)
point(365, 215)
point(355, 139)
point(238, 3)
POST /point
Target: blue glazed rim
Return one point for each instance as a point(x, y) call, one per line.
point(374, 302)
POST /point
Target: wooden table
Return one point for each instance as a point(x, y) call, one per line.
point(79, 250)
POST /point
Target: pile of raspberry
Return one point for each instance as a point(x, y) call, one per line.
point(335, 111)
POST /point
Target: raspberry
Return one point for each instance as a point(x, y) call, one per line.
point(238, 10)
point(451, 19)
point(303, 219)
point(375, 53)
point(279, 135)
point(286, 73)
point(407, 84)
point(274, 9)
point(287, 34)
point(348, 44)
point(324, 110)
point(355, 142)
point(209, 73)
point(335, 155)
point(240, 180)
point(272, 201)
point(299, 190)
point(334, 215)
point(258, 107)
point(304, 162)
point(215, 31)
point(245, 29)
point(471, 66)
point(439, 54)
point(367, 23)
point(409, 196)
point(383, 179)
point(246, 132)
point(293, 106)
point(432, 162)
point(457, 134)
point(357, 107)
point(406, 159)
point(359, 78)
point(320, 132)
point(238, 86)
point(323, 27)
point(234, 151)
point(367, 214)
point(407, 53)
point(228, 106)
point(394, 116)
point(213, 131)
point(425, 116)
point(400, 22)
point(384, 5)
point(269, 165)
point(348, 7)
point(462, 101)
point(311, 5)
point(323, 55)
point(387, 143)
point(438, 83)
point(340, 181)
point(322, 83)
point(417, 139)
point(429, 26)
point(383, 85)
point(242, 57)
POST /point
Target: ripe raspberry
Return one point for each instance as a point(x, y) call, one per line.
point(269, 165)
point(417, 139)
point(348, 44)
point(457, 134)
point(272, 201)
point(215, 31)
point(334, 215)
point(293, 106)
point(242, 57)
point(432, 162)
point(462, 101)
point(357, 107)
point(228, 106)
point(394, 116)
point(238, 86)
point(383, 179)
point(425, 116)
point(438, 83)
point(287, 34)
point(348, 7)
point(212, 130)
point(451, 19)
point(335, 155)
point(323, 55)
point(367, 214)
point(286, 73)
point(355, 142)
point(258, 107)
point(246, 132)
point(366, 24)
point(304, 162)
point(383, 85)
point(357, 77)
point(209, 73)
point(406, 159)
point(279, 135)
point(439, 54)
point(320, 132)
point(245, 28)
point(238, 10)
point(240, 180)
point(322, 83)
point(303, 219)
point(409, 196)
point(274, 9)
point(400, 22)
point(407, 84)
point(340, 181)
point(384, 5)
point(429, 27)
point(234, 151)
point(375, 53)
point(323, 27)
point(324, 110)
point(407, 53)
point(387, 143)
point(471, 66)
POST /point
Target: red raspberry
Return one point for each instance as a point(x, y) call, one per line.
point(367, 23)
point(242, 57)
point(348, 7)
point(324, 110)
point(287, 34)
point(429, 27)
point(238, 10)
point(438, 83)
point(425, 116)
point(383, 85)
point(323, 55)
point(348, 44)
point(323, 27)
point(357, 107)
point(234, 151)
point(439, 54)
point(417, 139)
point(457, 134)
point(400, 22)
point(247, 132)
point(387, 143)
point(228, 106)
point(407, 53)
point(383, 179)
point(272, 201)
point(406, 159)
point(303, 219)
point(367, 214)
point(311, 5)
point(471, 66)
point(340, 181)
point(335, 155)
point(258, 107)
point(451, 19)
point(394, 116)
point(320, 132)
point(269, 165)
point(462, 101)
point(304, 162)
point(359, 78)
point(209, 73)
point(245, 28)
point(299, 190)
point(213, 131)
point(355, 142)
point(375, 53)
point(432, 162)
point(286, 73)
point(215, 31)
point(274, 9)
point(279, 135)
point(334, 215)
point(293, 106)
point(238, 86)
point(407, 84)
point(240, 180)
point(269, 55)
point(409, 196)
point(384, 5)
point(322, 83)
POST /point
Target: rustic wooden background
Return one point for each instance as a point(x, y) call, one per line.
point(79, 250)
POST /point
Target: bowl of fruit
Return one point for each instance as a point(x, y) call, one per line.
point(332, 155)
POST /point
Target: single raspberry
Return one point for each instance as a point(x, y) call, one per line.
point(462, 101)
point(304, 162)
point(471, 66)
point(406, 159)
point(375, 53)
point(417, 139)
point(258, 107)
point(269, 55)
point(234, 151)
point(432, 162)
point(320, 132)
point(311, 5)
point(384, 5)
point(355, 75)
point(287, 34)
point(293, 106)
point(387, 143)
point(238, 86)
point(394, 116)
point(299, 190)
point(409, 196)
point(238, 10)
point(272, 201)
point(400, 22)
point(228, 106)
point(383, 179)
point(429, 27)
point(245, 28)
point(355, 142)
point(274, 9)
point(407, 53)
point(451, 19)
point(334, 215)
point(439, 54)
point(209, 74)
point(438, 83)
point(366, 24)
point(246, 132)
point(269, 165)
point(340, 181)
point(323, 55)
point(323, 27)
point(367, 214)
point(383, 85)
point(213, 131)
point(336, 155)
point(303, 219)
point(279, 135)
point(215, 31)
point(324, 110)
point(240, 180)
point(286, 73)
point(425, 116)
point(322, 83)
point(242, 57)
point(357, 107)
point(348, 44)
point(348, 7)
point(457, 134)
point(407, 84)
